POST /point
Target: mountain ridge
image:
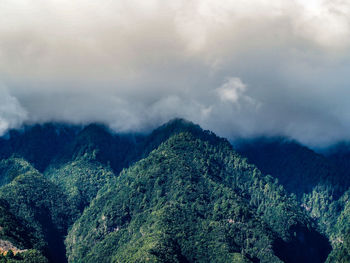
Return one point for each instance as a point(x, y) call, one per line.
point(85, 162)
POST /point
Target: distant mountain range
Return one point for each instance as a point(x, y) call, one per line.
point(179, 194)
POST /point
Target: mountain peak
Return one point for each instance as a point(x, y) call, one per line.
point(178, 124)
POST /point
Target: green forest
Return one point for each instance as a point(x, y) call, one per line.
point(72, 193)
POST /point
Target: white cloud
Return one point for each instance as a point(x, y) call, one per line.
point(231, 90)
point(134, 64)
point(11, 113)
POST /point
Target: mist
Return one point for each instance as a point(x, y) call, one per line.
point(239, 68)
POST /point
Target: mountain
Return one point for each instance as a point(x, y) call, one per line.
point(12, 167)
point(320, 181)
point(177, 194)
point(37, 144)
point(42, 207)
point(194, 200)
point(298, 168)
point(106, 147)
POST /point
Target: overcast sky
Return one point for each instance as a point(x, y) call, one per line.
point(237, 67)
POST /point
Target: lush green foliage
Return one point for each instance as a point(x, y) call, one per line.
point(37, 144)
point(192, 199)
point(12, 167)
point(80, 179)
point(12, 229)
point(319, 181)
point(41, 206)
point(341, 235)
point(29, 256)
point(98, 143)
point(184, 196)
point(297, 168)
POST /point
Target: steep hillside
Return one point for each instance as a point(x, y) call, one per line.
point(106, 147)
point(16, 239)
point(80, 179)
point(43, 209)
point(178, 194)
point(297, 168)
point(321, 182)
point(37, 144)
point(194, 200)
point(12, 229)
point(340, 234)
point(13, 167)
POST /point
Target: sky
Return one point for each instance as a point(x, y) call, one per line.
point(239, 68)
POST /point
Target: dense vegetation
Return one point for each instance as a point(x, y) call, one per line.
point(179, 194)
point(322, 187)
point(42, 207)
point(192, 200)
point(28, 256)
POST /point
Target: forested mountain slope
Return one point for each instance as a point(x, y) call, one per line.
point(37, 144)
point(298, 168)
point(178, 194)
point(320, 181)
point(42, 207)
point(194, 200)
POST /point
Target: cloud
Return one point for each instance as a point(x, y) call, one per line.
point(11, 113)
point(239, 68)
point(231, 90)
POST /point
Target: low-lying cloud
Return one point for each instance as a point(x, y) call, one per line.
point(239, 68)
point(11, 113)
